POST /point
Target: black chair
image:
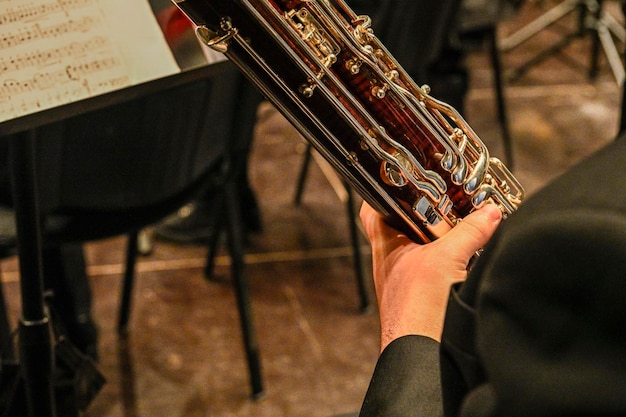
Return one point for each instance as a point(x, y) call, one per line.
point(477, 28)
point(419, 34)
point(118, 170)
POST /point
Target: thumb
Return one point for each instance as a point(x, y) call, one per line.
point(474, 231)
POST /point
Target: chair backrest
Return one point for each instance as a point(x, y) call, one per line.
point(140, 152)
point(415, 31)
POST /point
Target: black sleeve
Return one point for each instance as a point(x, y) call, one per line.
point(406, 381)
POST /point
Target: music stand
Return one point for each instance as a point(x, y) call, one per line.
point(592, 16)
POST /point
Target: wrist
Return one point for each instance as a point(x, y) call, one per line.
point(419, 319)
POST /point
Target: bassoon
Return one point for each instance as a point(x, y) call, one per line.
point(412, 157)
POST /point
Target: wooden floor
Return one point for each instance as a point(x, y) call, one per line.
point(183, 356)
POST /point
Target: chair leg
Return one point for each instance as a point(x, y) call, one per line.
point(7, 352)
point(212, 253)
point(500, 100)
point(302, 176)
point(236, 248)
point(127, 283)
point(622, 118)
point(356, 252)
point(214, 241)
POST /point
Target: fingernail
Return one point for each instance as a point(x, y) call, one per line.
point(494, 213)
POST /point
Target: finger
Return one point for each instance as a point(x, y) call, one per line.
point(367, 214)
point(373, 223)
point(377, 229)
point(369, 218)
point(475, 230)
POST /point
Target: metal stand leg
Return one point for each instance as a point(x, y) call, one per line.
point(539, 24)
point(593, 17)
point(606, 27)
point(35, 342)
point(536, 26)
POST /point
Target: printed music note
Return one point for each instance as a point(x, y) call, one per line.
point(54, 52)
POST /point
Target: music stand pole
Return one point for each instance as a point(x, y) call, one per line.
point(35, 337)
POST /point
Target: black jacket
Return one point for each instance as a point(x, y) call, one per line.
point(539, 327)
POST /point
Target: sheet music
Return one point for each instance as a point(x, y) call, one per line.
point(53, 52)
